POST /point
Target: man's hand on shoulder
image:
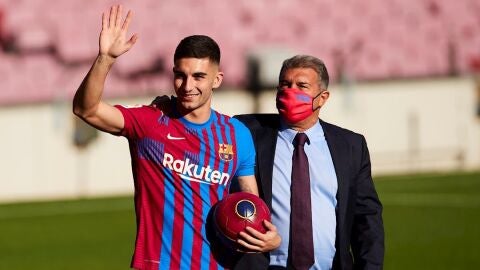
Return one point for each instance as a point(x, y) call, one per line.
point(162, 103)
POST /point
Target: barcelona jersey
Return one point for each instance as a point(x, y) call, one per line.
point(180, 170)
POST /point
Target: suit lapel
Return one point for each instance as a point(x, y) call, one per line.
point(340, 153)
point(266, 140)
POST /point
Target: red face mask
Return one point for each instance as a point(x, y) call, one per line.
point(294, 105)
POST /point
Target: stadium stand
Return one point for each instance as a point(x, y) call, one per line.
point(51, 46)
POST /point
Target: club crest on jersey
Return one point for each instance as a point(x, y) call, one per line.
point(225, 151)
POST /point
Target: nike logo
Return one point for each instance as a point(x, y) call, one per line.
point(170, 137)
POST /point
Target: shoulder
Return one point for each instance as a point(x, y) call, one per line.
point(256, 121)
point(237, 125)
point(332, 130)
point(141, 110)
point(140, 114)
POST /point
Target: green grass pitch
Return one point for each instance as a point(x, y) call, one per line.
point(431, 222)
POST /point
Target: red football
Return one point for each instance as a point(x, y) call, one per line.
point(237, 211)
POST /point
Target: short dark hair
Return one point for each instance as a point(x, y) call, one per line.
point(198, 46)
point(307, 61)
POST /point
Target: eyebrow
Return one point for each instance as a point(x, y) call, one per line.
point(195, 74)
point(198, 74)
point(303, 83)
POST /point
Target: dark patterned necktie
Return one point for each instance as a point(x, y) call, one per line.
point(301, 239)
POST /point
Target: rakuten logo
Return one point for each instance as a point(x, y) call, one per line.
point(193, 172)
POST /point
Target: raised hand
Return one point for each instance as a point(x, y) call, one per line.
point(113, 38)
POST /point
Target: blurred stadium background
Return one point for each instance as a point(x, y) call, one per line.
point(404, 73)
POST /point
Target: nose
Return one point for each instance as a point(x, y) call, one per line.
point(189, 84)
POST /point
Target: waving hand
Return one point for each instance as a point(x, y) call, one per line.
point(113, 38)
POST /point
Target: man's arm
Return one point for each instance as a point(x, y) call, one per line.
point(87, 103)
point(253, 240)
point(367, 238)
point(248, 184)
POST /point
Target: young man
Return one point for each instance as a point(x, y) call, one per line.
point(336, 222)
point(184, 154)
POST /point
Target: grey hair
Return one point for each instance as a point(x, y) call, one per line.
point(307, 61)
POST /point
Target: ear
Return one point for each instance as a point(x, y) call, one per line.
point(322, 98)
point(218, 80)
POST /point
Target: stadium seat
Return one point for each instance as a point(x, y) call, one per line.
point(376, 39)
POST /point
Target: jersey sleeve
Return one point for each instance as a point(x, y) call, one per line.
point(245, 148)
point(137, 120)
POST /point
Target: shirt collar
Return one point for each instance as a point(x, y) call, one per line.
point(314, 133)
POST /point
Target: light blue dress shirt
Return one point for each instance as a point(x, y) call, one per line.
point(323, 183)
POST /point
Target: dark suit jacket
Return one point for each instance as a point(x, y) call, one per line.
point(359, 233)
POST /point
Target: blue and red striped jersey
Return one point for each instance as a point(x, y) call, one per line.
point(180, 170)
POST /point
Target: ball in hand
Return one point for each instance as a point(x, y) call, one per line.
point(237, 211)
